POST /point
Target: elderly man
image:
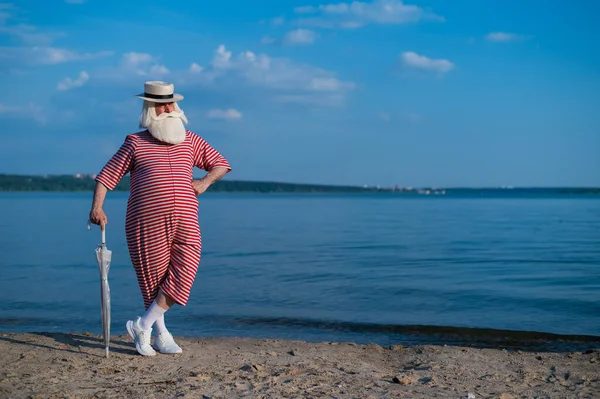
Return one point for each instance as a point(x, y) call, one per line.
point(163, 234)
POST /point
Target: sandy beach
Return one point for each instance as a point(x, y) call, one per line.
point(72, 365)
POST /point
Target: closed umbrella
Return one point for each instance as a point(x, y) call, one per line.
point(103, 256)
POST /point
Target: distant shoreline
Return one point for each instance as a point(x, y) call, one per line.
point(86, 183)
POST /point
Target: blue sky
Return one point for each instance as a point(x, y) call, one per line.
point(414, 93)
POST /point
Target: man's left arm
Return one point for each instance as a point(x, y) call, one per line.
point(210, 160)
point(214, 175)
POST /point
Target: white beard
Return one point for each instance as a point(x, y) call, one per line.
point(168, 127)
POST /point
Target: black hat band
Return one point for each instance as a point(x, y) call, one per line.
point(158, 96)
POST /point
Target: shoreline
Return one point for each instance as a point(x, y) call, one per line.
point(429, 334)
point(72, 365)
point(314, 330)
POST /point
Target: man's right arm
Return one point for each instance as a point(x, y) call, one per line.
point(97, 215)
point(118, 166)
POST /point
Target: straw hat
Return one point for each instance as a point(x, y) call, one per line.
point(159, 92)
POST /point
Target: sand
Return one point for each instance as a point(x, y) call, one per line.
point(73, 365)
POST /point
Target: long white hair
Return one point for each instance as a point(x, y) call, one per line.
point(148, 114)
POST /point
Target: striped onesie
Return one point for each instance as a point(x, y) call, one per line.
point(162, 229)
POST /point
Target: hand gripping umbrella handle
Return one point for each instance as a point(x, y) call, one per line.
point(89, 227)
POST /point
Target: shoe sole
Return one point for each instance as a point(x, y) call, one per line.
point(166, 353)
point(129, 326)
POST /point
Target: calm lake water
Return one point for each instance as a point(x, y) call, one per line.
point(363, 268)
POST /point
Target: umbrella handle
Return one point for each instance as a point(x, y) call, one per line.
point(89, 227)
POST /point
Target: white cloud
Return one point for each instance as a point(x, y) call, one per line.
point(224, 114)
point(28, 111)
point(143, 64)
point(276, 79)
point(222, 58)
point(135, 65)
point(325, 84)
point(51, 55)
point(341, 8)
point(267, 40)
point(133, 60)
point(29, 35)
point(26, 33)
point(46, 55)
point(503, 37)
point(277, 73)
point(296, 37)
point(277, 21)
point(300, 37)
point(305, 10)
point(414, 60)
point(269, 79)
point(69, 83)
point(159, 70)
point(409, 117)
point(6, 12)
point(196, 68)
point(357, 14)
point(351, 24)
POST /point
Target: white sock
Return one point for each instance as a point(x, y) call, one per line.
point(159, 325)
point(151, 315)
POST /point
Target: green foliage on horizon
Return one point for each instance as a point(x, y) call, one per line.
point(71, 183)
point(87, 183)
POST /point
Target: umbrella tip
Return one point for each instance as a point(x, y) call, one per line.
point(107, 351)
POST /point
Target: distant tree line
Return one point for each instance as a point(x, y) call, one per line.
point(87, 183)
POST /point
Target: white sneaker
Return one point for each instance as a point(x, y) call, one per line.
point(140, 337)
point(164, 343)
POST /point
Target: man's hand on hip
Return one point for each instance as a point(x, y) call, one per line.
point(200, 186)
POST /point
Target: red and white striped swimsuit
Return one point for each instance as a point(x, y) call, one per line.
point(162, 229)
